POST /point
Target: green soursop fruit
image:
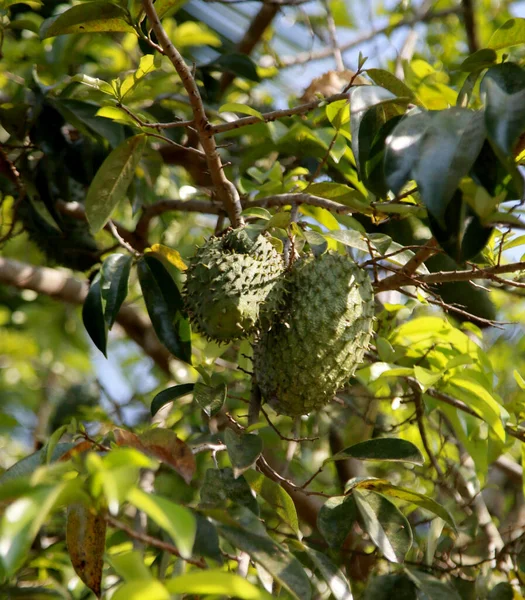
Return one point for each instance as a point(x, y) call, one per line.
point(315, 345)
point(233, 284)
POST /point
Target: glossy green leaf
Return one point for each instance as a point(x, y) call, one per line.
point(214, 581)
point(210, 398)
point(384, 487)
point(164, 7)
point(481, 59)
point(504, 90)
point(386, 525)
point(276, 497)
point(243, 450)
point(402, 148)
point(93, 315)
point(336, 581)
point(336, 519)
point(165, 307)
point(387, 449)
point(176, 520)
point(87, 17)
point(113, 179)
point(170, 394)
point(114, 284)
point(447, 152)
point(282, 565)
point(390, 82)
point(511, 33)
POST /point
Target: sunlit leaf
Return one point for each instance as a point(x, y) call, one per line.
point(387, 449)
point(113, 179)
point(176, 520)
point(87, 17)
point(214, 581)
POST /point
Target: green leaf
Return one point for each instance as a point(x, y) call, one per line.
point(481, 59)
point(511, 33)
point(243, 450)
point(192, 33)
point(214, 581)
point(256, 211)
point(502, 591)
point(130, 566)
point(139, 589)
point(93, 315)
point(382, 486)
point(336, 519)
point(243, 109)
point(341, 193)
point(207, 540)
point(176, 520)
point(432, 588)
point(477, 396)
point(220, 486)
point(30, 463)
point(170, 394)
point(112, 180)
point(276, 497)
point(390, 82)
point(163, 7)
point(165, 307)
point(22, 520)
point(402, 148)
point(114, 284)
point(336, 581)
point(385, 524)
point(366, 118)
point(146, 66)
point(387, 449)
point(338, 113)
point(448, 150)
point(210, 398)
point(504, 90)
point(282, 565)
point(87, 17)
point(386, 587)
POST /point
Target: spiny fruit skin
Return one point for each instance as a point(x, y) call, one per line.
point(233, 285)
point(320, 338)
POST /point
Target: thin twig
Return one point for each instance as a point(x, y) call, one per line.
point(225, 190)
point(152, 541)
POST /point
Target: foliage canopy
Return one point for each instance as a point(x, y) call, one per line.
point(132, 131)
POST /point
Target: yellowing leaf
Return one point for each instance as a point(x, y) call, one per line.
point(86, 541)
point(170, 254)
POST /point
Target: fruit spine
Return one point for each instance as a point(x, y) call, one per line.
point(233, 285)
point(320, 338)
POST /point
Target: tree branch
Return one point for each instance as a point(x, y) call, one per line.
point(470, 25)
point(305, 57)
point(61, 286)
point(258, 26)
point(393, 282)
point(225, 190)
point(277, 114)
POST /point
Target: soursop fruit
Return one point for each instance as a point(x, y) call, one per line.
point(319, 339)
point(234, 285)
